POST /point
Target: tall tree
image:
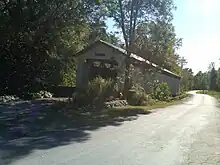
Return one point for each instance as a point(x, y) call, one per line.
point(32, 38)
point(182, 61)
point(201, 81)
point(212, 77)
point(218, 80)
point(187, 81)
point(128, 14)
point(157, 42)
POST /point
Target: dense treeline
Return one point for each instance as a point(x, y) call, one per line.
point(39, 39)
point(209, 80)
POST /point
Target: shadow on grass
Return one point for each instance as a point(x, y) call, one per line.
point(26, 126)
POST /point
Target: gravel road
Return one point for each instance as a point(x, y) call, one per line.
point(185, 134)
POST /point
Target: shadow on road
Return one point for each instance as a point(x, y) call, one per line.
point(27, 126)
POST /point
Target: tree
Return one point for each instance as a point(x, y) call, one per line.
point(212, 77)
point(128, 14)
point(35, 40)
point(182, 61)
point(201, 81)
point(218, 80)
point(187, 81)
point(209, 79)
point(157, 42)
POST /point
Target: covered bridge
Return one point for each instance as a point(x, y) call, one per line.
point(104, 59)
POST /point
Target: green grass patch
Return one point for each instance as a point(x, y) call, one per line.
point(211, 93)
point(163, 104)
point(202, 92)
point(159, 104)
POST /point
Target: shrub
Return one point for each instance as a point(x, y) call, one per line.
point(161, 91)
point(99, 89)
point(138, 97)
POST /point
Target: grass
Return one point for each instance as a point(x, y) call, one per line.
point(202, 92)
point(211, 93)
point(162, 104)
point(159, 104)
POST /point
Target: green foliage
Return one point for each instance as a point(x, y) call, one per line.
point(201, 81)
point(99, 89)
point(209, 80)
point(138, 97)
point(161, 91)
point(129, 14)
point(213, 93)
point(187, 81)
point(39, 39)
point(218, 80)
point(202, 92)
point(147, 29)
point(213, 79)
point(157, 42)
point(68, 74)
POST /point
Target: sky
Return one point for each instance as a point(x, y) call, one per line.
point(198, 23)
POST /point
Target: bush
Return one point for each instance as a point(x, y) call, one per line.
point(99, 89)
point(138, 97)
point(161, 91)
